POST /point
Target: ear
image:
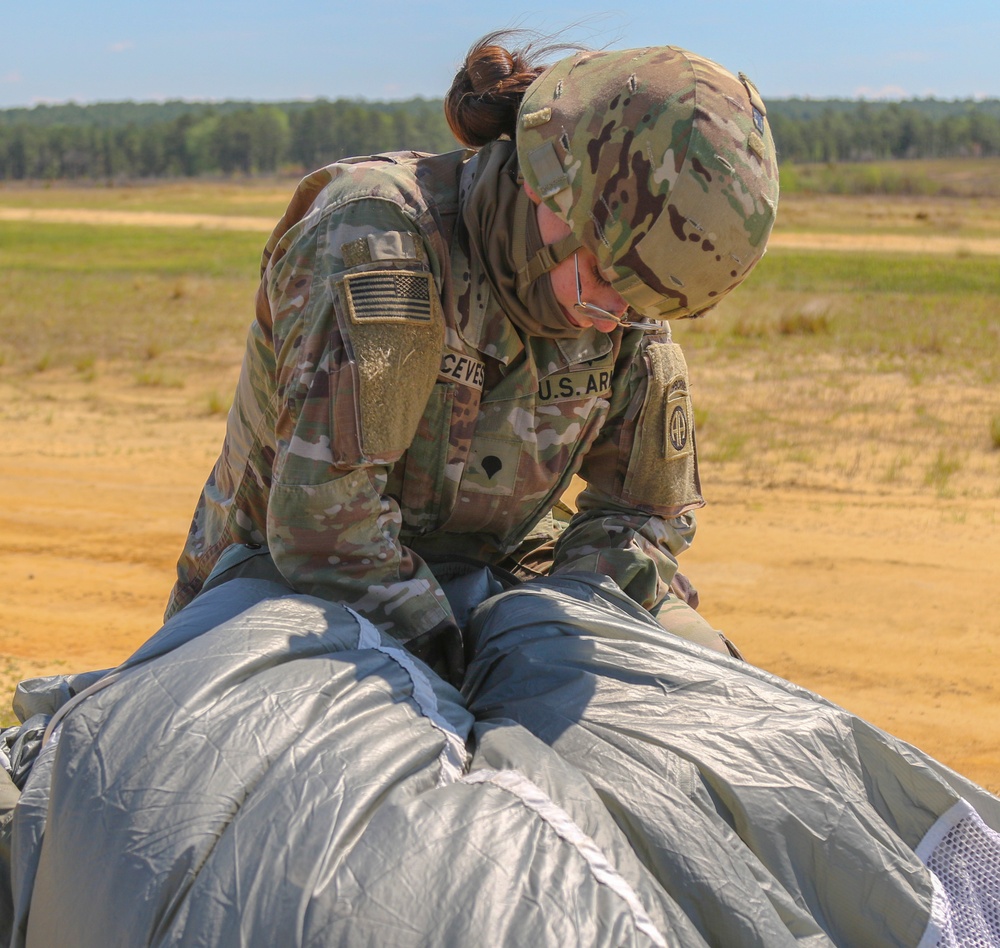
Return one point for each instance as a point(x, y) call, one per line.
point(532, 193)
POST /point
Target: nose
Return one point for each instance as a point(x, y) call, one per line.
point(618, 304)
point(610, 300)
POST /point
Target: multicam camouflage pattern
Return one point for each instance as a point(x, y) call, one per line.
point(663, 164)
point(506, 420)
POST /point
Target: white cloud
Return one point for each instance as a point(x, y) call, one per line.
point(121, 47)
point(885, 92)
point(917, 56)
point(10, 78)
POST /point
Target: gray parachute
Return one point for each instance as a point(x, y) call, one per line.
point(269, 769)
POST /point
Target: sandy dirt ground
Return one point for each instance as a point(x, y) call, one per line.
point(897, 243)
point(887, 603)
point(71, 215)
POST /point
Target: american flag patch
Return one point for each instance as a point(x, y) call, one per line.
point(388, 296)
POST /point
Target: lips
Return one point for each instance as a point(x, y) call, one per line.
point(592, 322)
point(604, 325)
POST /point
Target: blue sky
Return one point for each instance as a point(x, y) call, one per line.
point(149, 50)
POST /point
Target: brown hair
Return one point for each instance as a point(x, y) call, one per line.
point(484, 97)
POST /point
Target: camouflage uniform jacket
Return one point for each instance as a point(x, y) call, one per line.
point(387, 410)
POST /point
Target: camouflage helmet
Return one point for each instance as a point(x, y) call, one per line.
point(663, 165)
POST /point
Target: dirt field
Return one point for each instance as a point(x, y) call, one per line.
point(885, 601)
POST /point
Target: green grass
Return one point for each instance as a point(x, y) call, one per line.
point(266, 197)
point(86, 367)
point(217, 404)
point(157, 378)
point(940, 470)
point(729, 447)
point(121, 292)
point(918, 178)
point(138, 292)
point(897, 177)
point(163, 251)
point(841, 365)
point(920, 314)
point(914, 274)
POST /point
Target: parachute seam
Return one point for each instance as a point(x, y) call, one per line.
point(454, 757)
point(566, 828)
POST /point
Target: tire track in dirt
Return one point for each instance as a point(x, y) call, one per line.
point(780, 240)
point(887, 243)
point(136, 218)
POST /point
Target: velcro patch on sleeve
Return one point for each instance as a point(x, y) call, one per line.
point(663, 467)
point(395, 325)
point(388, 296)
point(384, 245)
point(548, 170)
point(356, 253)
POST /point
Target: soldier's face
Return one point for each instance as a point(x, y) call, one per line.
point(594, 287)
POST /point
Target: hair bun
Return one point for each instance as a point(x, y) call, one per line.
point(485, 95)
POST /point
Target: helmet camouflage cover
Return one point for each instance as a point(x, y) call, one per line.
point(663, 165)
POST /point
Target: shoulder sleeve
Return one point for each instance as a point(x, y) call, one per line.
point(357, 329)
point(354, 297)
point(636, 515)
point(662, 469)
point(391, 316)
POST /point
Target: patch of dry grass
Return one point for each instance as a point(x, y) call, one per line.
point(863, 372)
point(260, 197)
point(121, 294)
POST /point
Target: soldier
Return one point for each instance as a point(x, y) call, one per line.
point(442, 342)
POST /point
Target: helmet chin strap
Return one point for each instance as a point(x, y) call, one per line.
point(549, 257)
point(545, 259)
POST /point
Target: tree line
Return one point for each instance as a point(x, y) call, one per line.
point(838, 130)
point(172, 139)
point(231, 138)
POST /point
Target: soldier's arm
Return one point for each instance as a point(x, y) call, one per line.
point(357, 342)
point(637, 514)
